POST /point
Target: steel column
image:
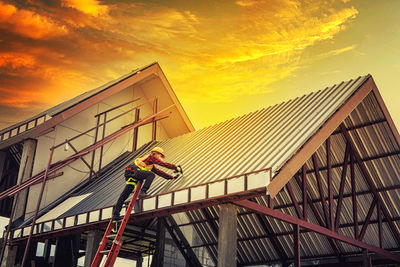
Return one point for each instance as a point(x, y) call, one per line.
point(154, 127)
point(296, 248)
point(136, 131)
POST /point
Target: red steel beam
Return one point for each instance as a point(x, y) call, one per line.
point(294, 200)
point(320, 189)
point(379, 215)
point(315, 228)
point(367, 220)
point(341, 187)
point(353, 195)
point(119, 106)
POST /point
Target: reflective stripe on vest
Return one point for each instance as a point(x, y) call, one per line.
point(132, 181)
point(142, 165)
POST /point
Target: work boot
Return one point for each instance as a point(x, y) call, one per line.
point(142, 194)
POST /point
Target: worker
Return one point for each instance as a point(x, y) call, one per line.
point(143, 170)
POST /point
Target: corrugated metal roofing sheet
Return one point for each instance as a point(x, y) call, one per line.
point(268, 138)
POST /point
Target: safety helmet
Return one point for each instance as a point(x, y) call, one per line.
point(158, 150)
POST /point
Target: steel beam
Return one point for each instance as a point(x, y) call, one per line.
point(341, 187)
point(367, 220)
point(315, 228)
point(370, 183)
point(294, 200)
point(321, 191)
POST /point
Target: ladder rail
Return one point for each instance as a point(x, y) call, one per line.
point(117, 242)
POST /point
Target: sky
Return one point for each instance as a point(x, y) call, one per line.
point(222, 58)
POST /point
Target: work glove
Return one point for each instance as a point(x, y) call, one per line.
point(179, 169)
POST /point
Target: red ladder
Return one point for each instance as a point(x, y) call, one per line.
point(112, 254)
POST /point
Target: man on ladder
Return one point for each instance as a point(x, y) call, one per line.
point(144, 169)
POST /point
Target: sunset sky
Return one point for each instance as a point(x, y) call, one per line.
point(222, 58)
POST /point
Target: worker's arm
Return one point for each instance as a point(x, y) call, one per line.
point(161, 173)
point(155, 160)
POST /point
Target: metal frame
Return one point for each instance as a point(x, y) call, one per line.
point(52, 168)
point(328, 220)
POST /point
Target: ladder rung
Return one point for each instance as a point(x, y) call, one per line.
point(112, 235)
point(105, 251)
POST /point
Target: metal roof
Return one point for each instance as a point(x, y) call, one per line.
point(269, 138)
point(69, 103)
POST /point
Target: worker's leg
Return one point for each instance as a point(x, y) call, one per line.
point(146, 176)
point(127, 190)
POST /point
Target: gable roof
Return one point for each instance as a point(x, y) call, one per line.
point(273, 137)
point(40, 123)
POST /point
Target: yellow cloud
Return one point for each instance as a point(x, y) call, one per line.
point(28, 23)
point(91, 7)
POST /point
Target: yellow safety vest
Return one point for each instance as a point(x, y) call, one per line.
point(142, 165)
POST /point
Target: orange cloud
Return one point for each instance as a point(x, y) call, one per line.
point(206, 58)
point(16, 60)
point(28, 23)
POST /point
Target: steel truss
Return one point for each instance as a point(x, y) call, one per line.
point(52, 168)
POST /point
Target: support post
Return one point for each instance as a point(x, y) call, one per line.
point(136, 131)
point(366, 258)
point(158, 257)
point(92, 243)
point(154, 131)
point(227, 236)
point(296, 247)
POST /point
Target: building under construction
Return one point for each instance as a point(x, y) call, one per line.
point(310, 181)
